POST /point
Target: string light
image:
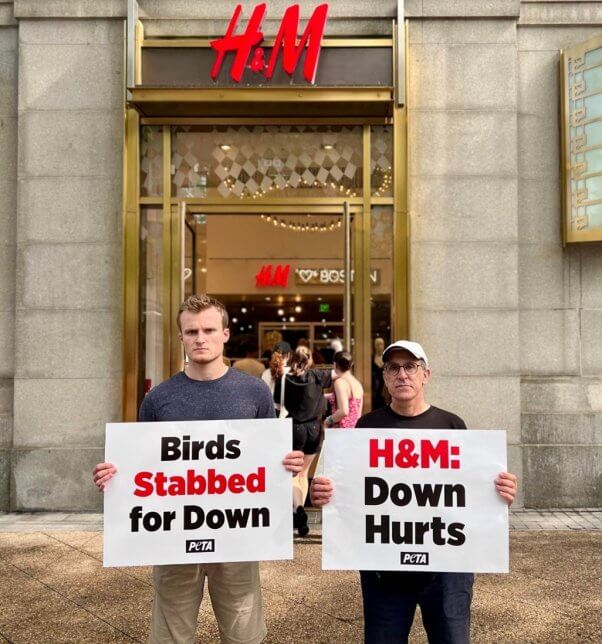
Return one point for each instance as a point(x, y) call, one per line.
point(259, 192)
point(302, 227)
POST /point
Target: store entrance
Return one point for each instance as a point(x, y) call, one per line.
point(254, 215)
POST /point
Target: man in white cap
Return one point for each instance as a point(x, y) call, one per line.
point(390, 598)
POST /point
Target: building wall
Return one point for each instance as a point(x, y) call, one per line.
point(68, 284)
point(509, 318)
point(8, 225)
point(463, 159)
point(560, 288)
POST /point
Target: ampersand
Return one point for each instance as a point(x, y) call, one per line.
point(258, 62)
point(405, 456)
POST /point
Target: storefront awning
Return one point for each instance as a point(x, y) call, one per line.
point(358, 102)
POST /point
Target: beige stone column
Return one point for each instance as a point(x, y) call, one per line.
point(8, 224)
point(560, 288)
point(463, 207)
point(68, 288)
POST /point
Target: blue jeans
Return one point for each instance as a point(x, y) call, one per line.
point(444, 601)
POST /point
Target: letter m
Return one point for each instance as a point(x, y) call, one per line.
point(433, 453)
point(281, 275)
point(287, 39)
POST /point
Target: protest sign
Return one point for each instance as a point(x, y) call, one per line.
point(198, 492)
point(415, 500)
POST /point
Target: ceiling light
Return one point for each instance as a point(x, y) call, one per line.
point(280, 311)
point(244, 309)
point(225, 146)
point(327, 146)
point(298, 309)
point(292, 318)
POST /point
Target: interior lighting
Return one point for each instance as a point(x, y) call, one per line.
point(292, 318)
point(225, 146)
point(234, 320)
point(243, 309)
point(298, 309)
point(280, 311)
point(327, 146)
point(267, 298)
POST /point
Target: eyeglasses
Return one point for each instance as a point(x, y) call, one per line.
point(392, 368)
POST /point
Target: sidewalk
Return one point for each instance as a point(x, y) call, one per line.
point(55, 590)
point(582, 519)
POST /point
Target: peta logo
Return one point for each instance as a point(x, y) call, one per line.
point(414, 558)
point(200, 545)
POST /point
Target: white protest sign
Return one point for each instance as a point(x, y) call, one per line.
point(415, 500)
point(198, 492)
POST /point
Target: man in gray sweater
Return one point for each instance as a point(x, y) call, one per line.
point(206, 390)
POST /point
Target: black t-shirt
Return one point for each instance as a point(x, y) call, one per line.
point(432, 418)
point(303, 396)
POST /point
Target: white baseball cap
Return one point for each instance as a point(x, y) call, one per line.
point(412, 347)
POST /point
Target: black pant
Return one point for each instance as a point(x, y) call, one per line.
point(389, 608)
point(306, 436)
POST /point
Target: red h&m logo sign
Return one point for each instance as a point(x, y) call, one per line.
point(286, 39)
point(269, 275)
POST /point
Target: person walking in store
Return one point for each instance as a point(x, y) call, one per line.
point(207, 389)
point(278, 369)
point(304, 401)
point(390, 598)
point(347, 399)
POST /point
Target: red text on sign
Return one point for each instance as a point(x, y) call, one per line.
point(269, 275)
point(286, 39)
point(212, 482)
point(411, 454)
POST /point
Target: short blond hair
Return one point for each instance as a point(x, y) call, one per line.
point(198, 303)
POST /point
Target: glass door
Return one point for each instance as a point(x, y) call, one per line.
point(280, 271)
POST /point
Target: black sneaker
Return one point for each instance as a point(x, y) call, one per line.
point(302, 527)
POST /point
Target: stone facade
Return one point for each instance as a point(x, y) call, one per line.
point(511, 320)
